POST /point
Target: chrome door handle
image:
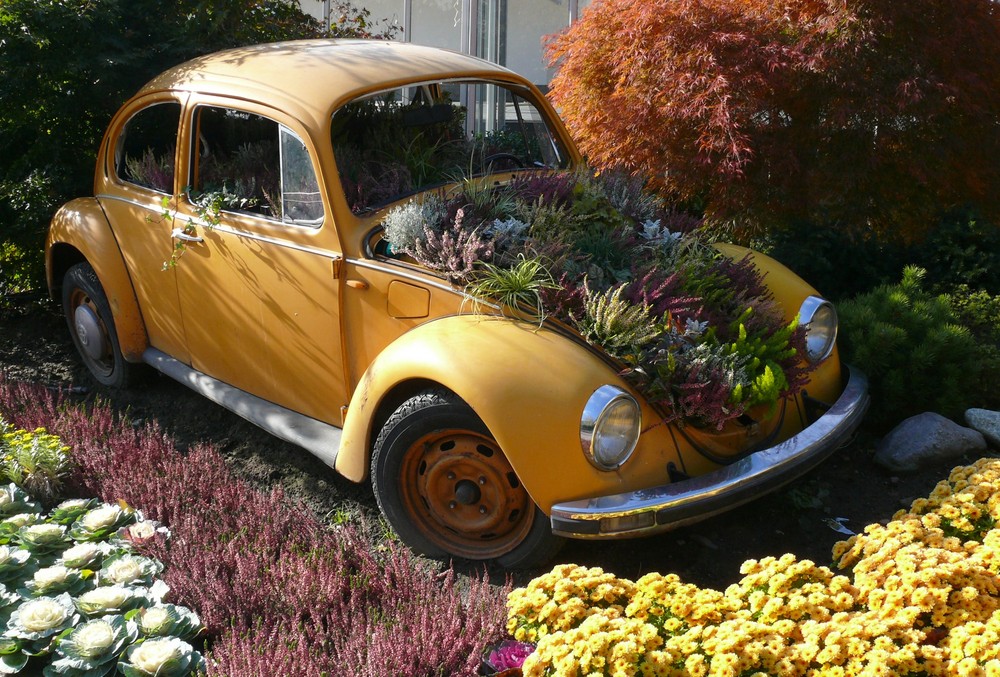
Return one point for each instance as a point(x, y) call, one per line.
point(179, 234)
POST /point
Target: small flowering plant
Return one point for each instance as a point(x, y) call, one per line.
point(917, 596)
point(698, 333)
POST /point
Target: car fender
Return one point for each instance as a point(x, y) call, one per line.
point(528, 384)
point(80, 230)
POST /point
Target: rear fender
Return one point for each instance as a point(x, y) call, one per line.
point(80, 232)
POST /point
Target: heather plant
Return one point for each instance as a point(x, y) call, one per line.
point(453, 251)
point(894, 327)
point(278, 592)
point(915, 596)
point(615, 324)
point(407, 224)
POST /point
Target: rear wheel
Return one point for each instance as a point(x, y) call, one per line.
point(447, 489)
point(92, 327)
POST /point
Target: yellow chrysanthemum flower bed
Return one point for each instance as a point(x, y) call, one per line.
point(918, 596)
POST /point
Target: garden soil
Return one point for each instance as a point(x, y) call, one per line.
point(806, 518)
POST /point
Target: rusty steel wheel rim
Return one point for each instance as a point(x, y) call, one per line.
point(463, 495)
point(90, 332)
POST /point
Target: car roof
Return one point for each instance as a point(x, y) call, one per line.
point(318, 75)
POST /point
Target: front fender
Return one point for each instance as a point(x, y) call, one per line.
point(80, 230)
point(528, 385)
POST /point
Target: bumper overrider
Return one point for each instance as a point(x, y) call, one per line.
point(649, 511)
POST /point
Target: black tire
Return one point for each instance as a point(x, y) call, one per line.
point(448, 491)
point(92, 327)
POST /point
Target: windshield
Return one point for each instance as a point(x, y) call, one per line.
point(407, 140)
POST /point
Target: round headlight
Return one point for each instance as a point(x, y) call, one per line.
point(819, 318)
point(609, 428)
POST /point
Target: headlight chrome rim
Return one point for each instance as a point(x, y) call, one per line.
point(596, 413)
point(820, 338)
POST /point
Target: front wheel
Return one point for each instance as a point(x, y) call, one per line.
point(447, 489)
point(92, 327)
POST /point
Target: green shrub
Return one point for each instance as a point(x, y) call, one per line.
point(961, 249)
point(916, 351)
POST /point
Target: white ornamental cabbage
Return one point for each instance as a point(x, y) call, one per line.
point(93, 647)
point(100, 522)
point(111, 599)
point(69, 511)
point(14, 564)
point(42, 617)
point(162, 657)
point(129, 569)
point(84, 555)
point(44, 538)
point(53, 580)
point(167, 620)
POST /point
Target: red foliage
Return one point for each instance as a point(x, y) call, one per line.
point(280, 593)
point(861, 112)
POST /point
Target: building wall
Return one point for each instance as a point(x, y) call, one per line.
point(508, 32)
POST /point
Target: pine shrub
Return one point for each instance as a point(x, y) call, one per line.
point(915, 351)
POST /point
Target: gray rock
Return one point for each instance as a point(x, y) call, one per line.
point(926, 440)
point(987, 422)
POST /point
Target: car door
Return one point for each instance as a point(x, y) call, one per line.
point(257, 280)
point(136, 191)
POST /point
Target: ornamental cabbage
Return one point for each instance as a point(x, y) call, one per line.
point(167, 619)
point(111, 599)
point(92, 648)
point(160, 657)
point(100, 523)
point(42, 617)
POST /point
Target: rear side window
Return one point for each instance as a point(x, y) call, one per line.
point(145, 152)
point(256, 165)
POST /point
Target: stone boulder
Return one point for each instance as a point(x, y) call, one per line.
point(926, 440)
point(987, 422)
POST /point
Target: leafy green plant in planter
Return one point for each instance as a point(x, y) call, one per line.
point(697, 332)
point(916, 353)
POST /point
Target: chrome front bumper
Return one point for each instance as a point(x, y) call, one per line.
point(649, 511)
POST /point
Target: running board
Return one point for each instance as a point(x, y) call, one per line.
point(320, 439)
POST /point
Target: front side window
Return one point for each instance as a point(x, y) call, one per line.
point(256, 165)
point(407, 140)
point(144, 155)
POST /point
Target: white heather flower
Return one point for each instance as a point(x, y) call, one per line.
point(39, 615)
point(93, 638)
point(102, 517)
point(50, 576)
point(152, 654)
point(125, 570)
point(81, 555)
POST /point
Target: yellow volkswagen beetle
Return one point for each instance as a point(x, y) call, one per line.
point(393, 256)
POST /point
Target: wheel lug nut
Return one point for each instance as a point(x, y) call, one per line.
point(453, 505)
point(451, 475)
point(482, 480)
point(482, 510)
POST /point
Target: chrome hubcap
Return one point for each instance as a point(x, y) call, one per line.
point(88, 330)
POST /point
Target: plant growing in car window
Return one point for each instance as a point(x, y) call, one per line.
point(209, 206)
